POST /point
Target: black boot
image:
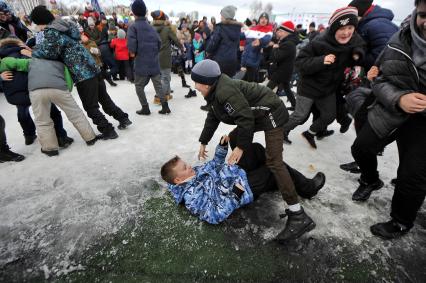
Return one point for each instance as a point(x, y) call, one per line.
point(312, 187)
point(144, 111)
point(164, 108)
point(124, 124)
point(7, 155)
point(298, 223)
point(344, 126)
point(184, 82)
point(351, 167)
point(108, 135)
point(50, 153)
point(310, 138)
point(110, 81)
point(205, 107)
point(92, 141)
point(324, 134)
point(191, 93)
point(389, 230)
point(286, 139)
point(365, 189)
point(65, 142)
point(30, 139)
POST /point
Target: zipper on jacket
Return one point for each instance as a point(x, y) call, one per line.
point(409, 58)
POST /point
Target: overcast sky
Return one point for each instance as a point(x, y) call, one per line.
point(401, 8)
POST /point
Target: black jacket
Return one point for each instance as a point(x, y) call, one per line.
point(250, 106)
point(317, 79)
point(399, 76)
point(283, 59)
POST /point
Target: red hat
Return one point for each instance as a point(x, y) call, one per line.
point(287, 26)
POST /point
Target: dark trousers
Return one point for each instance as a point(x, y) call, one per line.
point(108, 59)
point(365, 149)
point(124, 70)
point(286, 88)
point(410, 188)
point(252, 74)
point(3, 141)
point(107, 104)
point(228, 68)
point(28, 125)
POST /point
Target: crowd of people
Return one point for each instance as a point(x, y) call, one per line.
point(360, 67)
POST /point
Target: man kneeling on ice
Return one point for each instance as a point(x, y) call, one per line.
point(212, 191)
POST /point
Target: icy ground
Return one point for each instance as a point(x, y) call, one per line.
point(53, 209)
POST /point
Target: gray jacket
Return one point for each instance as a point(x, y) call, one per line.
point(44, 73)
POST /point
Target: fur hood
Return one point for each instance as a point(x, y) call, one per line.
point(11, 41)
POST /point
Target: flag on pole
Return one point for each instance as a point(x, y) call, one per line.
point(96, 6)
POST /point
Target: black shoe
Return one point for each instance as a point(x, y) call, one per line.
point(191, 93)
point(364, 190)
point(380, 153)
point(324, 134)
point(115, 78)
point(111, 82)
point(30, 139)
point(184, 84)
point(298, 223)
point(164, 108)
point(311, 187)
point(50, 153)
point(108, 135)
point(351, 167)
point(205, 107)
point(310, 138)
point(144, 111)
point(344, 127)
point(93, 141)
point(124, 124)
point(319, 182)
point(389, 230)
point(7, 155)
point(286, 139)
point(393, 182)
point(65, 142)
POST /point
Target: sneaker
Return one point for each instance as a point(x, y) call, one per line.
point(30, 139)
point(65, 142)
point(324, 134)
point(310, 138)
point(7, 155)
point(389, 230)
point(351, 167)
point(144, 111)
point(298, 223)
point(124, 124)
point(50, 153)
point(109, 135)
point(344, 127)
point(364, 190)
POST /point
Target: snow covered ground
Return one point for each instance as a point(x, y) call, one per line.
point(55, 208)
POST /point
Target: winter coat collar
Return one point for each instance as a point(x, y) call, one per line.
point(230, 22)
point(418, 46)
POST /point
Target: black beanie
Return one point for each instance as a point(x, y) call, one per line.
point(343, 17)
point(41, 16)
point(264, 15)
point(361, 5)
point(139, 8)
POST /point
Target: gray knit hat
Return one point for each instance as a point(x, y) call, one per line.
point(228, 12)
point(206, 72)
point(121, 33)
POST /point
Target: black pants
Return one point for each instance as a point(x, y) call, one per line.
point(252, 74)
point(3, 141)
point(228, 68)
point(124, 70)
point(286, 88)
point(365, 149)
point(107, 104)
point(410, 189)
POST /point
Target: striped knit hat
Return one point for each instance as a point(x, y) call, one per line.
point(287, 26)
point(343, 17)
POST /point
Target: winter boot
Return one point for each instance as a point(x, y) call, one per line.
point(191, 93)
point(324, 134)
point(344, 126)
point(168, 97)
point(110, 81)
point(312, 187)
point(65, 142)
point(351, 167)
point(50, 153)
point(184, 82)
point(124, 124)
point(389, 230)
point(30, 139)
point(365, 189)
point(205, 107)
point(310, 138)
point(286, 139)
point(108, 135)
point(7, 155)
point(144, 111)
point(92, 141)
point(157, 100)
point(298, 223)
point(165, 108)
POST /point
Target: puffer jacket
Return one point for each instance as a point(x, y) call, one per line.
point(167, 36)
point(121, 52)
point(250, 106)
point(399, 76)
point(376, 28)
point(283, 59)
point(144, 42)
point(252, 55)
point(209, 194)
point(62, 42)
point(317, 79)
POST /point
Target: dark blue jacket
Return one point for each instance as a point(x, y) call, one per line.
point(144, 41)
point(224, 43)
point(16, 90)
point(376, 28)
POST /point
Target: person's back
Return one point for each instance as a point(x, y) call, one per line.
point(121, 51)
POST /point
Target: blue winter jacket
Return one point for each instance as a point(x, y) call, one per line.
point(376, 28)
point(144, 41)
point(252, 55)
point(209, 194)
point(224, 43)
point(62, 43)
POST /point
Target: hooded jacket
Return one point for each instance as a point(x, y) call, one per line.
point(376, 28)
point(209, 194)
point(250, 106)
point(252, 55)
point(167, 36)
point(283, 59)
point(317, 79)
point(62, 42)
point(121, 52)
